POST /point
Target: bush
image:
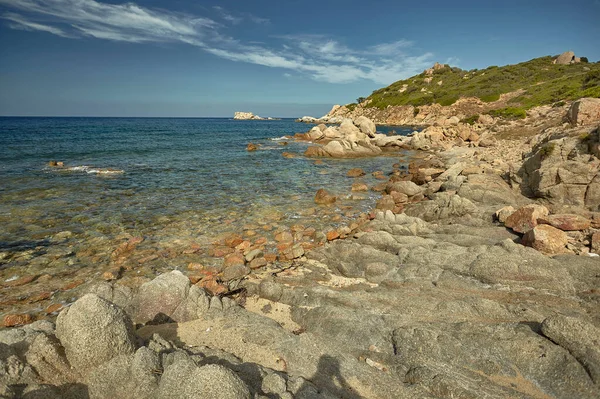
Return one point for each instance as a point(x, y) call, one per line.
point(547, 150)
point(471, 120)
point(558, 104)
point(416, 111)
point(584, 60)
point(509, 113)
point(489, 98)
point(351, 107)
point(591, 79)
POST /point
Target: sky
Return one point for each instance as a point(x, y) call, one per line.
point(286, 58)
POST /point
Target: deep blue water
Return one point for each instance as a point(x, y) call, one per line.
point(175, 170)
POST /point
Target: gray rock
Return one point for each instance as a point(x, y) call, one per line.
point(184, 380)
point(442, 206)
point(405, 187)
point(93, 331)
point(172, 296)
point(47, 357)
point(580, 338)
point(366, 125)
point(274, 383)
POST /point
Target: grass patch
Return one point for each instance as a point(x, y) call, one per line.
point(351, 107)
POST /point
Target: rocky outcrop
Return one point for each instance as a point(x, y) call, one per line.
point(564, 169)
point(249, 116)
point(566, 58)
point(351, 139)
point(584, 111)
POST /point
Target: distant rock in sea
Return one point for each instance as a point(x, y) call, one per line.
point(247, 116)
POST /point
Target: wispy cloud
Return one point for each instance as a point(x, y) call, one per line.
point(320, 57)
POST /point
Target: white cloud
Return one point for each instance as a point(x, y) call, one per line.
point(18, 22)
point(320, 57)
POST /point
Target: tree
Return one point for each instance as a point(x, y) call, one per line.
point(584, 60)
point(360, 100)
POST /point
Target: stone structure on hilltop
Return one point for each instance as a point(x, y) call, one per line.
point(566, 58)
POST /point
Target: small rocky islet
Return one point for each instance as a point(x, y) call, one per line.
point(475, 276)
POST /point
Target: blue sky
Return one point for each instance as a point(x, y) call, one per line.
point(278, 58)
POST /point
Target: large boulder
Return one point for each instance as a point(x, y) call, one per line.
point(526, 217)
point(563, 170)
point(404, 187)
point(93, 331)
point(185, 380)
point(546, 239)
point(566, 58)
point(584, 111)
point(169, 297)
point(366, 125)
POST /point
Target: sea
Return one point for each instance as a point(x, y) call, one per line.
point(175, 182)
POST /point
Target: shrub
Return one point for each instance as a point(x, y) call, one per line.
point(584, 60)
point(509, 113)
point(591, 79)
point(471, 120)
point(558, 104)
point(547, 150)
point(416, 111)
point(489, 98)
point(351, 107)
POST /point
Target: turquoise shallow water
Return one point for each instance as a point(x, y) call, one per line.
point(181, 177)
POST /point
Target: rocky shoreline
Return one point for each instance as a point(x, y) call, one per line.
point(429, 296)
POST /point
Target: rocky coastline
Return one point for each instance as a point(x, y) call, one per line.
point(475, 277)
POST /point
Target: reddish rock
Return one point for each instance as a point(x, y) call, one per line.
point(525, 218)
point(333, 235)
point(13, 320)
point(318, 162)
point(292, 252)
point(257, 263)
point(233, 259)
point(566, 222)
point(284, 236)
point(112, 274)
point(232, 240)
point(260, 241)
point(355, 172)
point(54, 308)
point(379, 187)
point(359, 187)
point(235, 271)
point(503, 213)
point(192, 249)
point(149, 258)
point(244, 245)
point(211, 285)
point(309, 232)
point(195, 278)
point(270, 257)
point(251, 147)
point(20, 281)
point(125, 249)
point(288, 155)
point(385, 203)
point(195, 266)
point(219, 252)
point(324, 198)
point(40, 296)
point(399, 198)
point(546, 239)
point(72, 284)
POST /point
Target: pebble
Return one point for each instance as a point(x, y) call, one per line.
point(12, 320)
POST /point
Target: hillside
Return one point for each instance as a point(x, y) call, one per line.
point(535, 82)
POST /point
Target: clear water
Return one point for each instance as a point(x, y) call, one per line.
point(182, 180)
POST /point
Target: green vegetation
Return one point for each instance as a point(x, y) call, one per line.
point(547, 150)
point(471, 120)
point(542, 83)
point(509, 113)
point(351, 106)
point(360, 100)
